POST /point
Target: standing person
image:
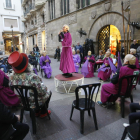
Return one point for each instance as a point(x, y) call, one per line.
point(122, 52)
point(45, 65)
point(3, 65)
point(79, 47)
point(16, 48)
point(7, 119)
point(58, 53)
point(134, 45)
point(88, 65)
point(73, 48)
point(66, 63)
point(12, 49)
point(76, 60)
point(35, 48)
point(112, 88)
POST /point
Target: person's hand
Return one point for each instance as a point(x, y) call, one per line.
point(18, 117)
point(106, 64)
point(88, 58)
point(47, 60)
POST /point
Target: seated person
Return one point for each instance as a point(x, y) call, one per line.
point(76, 60)
point(7, 96)
point(3, 65)
point(25, 77)
point(111, 55)
point(133, 52)
point(80, 55)
point(7, 119)
point(45, 65)
point(104, 71)
point(112, 88)
point(90, 60)
point(98, 58)
point(32, 59)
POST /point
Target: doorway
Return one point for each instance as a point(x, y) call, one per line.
point(109, 37)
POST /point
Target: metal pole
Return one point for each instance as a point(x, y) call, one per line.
point(124, 28)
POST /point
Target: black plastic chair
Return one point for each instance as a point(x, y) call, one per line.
point(86, 104)
point(23, 93)
point(133, 132)
point(130, 84)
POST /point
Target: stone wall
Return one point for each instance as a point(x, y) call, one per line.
point(91, 19)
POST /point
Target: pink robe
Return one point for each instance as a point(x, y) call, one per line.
point(7, 96)
point(104, 72)
point(108, 89)
point(90, 67)
point(66, 63)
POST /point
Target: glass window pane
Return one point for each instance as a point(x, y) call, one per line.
point(83, 3)
point(61, 7)
point(88, 2)
point(65, 6)
point(8, 4)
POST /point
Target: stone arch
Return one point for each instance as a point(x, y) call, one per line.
point(109, 18)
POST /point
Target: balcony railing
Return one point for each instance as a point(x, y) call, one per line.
point(31, 7)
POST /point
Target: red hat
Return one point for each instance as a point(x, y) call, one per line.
point(18, 61)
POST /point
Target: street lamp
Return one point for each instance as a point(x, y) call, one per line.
point(12, 39)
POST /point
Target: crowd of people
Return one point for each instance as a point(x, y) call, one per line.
point(25, 74)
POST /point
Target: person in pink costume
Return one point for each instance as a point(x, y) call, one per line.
point(76, 60)
point(45, 65)
point(112, 88)
point(133, 52)
point(90, 65)
point(7, 96)
point(66, 63)
point(104, 71)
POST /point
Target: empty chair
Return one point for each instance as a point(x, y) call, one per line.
point(87, 103)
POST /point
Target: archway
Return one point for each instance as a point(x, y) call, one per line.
point(109, 37)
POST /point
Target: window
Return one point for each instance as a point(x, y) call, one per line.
point(82, 3)
point(8, 4)
point(64, 7)
point(43, 17)
point(52, 8)
point(35, 20)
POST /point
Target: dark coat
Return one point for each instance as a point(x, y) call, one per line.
point(37, 49)
point(6, 119)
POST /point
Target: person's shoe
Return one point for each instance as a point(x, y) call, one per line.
point(101, 104)
point(45, 115)
point(126, 124)
point(68, 76)
point(65, 74)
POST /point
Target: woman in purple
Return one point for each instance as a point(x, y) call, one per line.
point(77, 60)
point(45, 65)
point(66, 63)
point(112, 88)
point(105, 71)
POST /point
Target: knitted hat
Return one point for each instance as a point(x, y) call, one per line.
point(130, 58)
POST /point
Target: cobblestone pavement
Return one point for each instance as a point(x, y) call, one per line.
point(60, 127)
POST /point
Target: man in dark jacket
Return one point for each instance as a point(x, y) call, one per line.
point(57, 53)
point(134, 45)
point(10, 126)
point(32, 59)
point(36, 49)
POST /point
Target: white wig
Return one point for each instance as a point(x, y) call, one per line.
point(66, 26)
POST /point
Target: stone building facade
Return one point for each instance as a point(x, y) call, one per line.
point(45, 19)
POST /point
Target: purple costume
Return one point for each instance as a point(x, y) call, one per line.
point(66, 63)
point(7, 96)
point(46, 66)
point(108, 89)
point(76, 60)
point(90, 66)
point(104, 71)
